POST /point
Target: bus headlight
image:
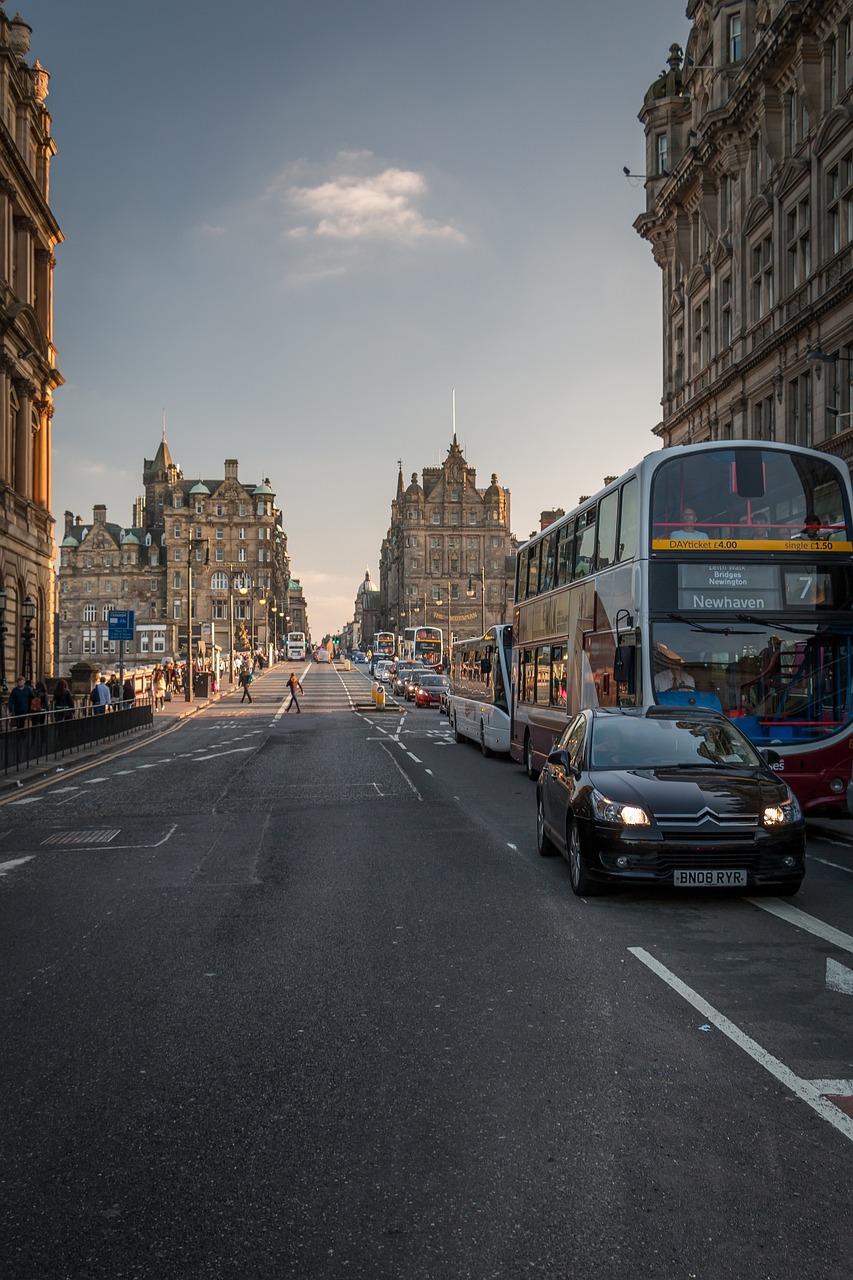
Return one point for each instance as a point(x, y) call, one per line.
point(628, 815)
point(784, 814)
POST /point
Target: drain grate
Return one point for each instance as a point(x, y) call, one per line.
point(104, 836)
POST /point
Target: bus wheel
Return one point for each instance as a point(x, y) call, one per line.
point(529, 767)
point(485, 750)
point(457, 736)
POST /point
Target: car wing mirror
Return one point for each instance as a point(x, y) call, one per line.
point(769, 756)
point(559, 757)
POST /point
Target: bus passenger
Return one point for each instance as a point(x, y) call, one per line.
point(689, 531)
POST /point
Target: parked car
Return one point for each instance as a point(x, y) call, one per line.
point(429, 690)
point(668, 796)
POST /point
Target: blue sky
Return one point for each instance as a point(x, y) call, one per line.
point(297, 226)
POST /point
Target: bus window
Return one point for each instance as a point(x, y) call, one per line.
point(627, 545)
point(547, 571)
point(543, 675)
point(565, 551)
point(533, 570)
point(585, 543)
point(607, 511)
point(521, 574)
point(558, 676)
point(528, 676)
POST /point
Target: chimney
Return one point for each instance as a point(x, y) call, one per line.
point(231, 465)
point(69, 522)
point(99, 513)
point(548, 517)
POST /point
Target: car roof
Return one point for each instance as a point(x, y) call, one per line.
point(655, 712)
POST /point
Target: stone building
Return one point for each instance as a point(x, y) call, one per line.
point(749, 213)
point(28, 370)
point(447, 559)
point(296, 610)
point(215, 547)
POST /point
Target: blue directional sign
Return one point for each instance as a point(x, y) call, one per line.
point(120, 624)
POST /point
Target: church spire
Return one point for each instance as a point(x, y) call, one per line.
point(400, 488)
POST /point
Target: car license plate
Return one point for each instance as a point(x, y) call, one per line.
point(697, 879)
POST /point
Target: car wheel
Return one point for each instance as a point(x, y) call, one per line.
point(457, 736)
point(544, 843)
point(529, 767)
point(485, 750)
point(581, 883)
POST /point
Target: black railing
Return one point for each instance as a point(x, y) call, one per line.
point(47, 735)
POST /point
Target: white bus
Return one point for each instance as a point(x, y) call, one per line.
point(295, 646)
point(480, 688)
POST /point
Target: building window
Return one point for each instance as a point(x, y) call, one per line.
point(726, 312)
point(219, 581)
point(177, 554)
point(176, 609)
point(436, 594)
point(454, 517)
point(199, 533)
point(90, 640)
point(436, 517)
point(792, 119)
point(199, 506)
point(735, 38)
point(241, 533)
point(761, 278)
point(798, 239)
point(241, 555)
point(839, 204)
point(105, 612)
point(242, 510)
point(436, 566)
point(763, 419)
point(177, 500)
point(800, 410)
point(176, 581)
point(159, 641)
point(832, 72)
point(472, 517)
point(662, 147)
point(454, 495)
point(143, 642)
point(88, 613)
point(435, 542)
point(701, 335)
point(177, 531)
point(220, 535)
point(220, 510)
point(220, 553)
point(219, 611)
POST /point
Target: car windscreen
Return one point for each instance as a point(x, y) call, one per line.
point(656, 743)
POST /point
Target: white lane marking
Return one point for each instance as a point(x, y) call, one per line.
point(61, 791)
point(405, 775)
point(802, 920)
point(14, 862)
point(514, 847)
point(835, 865)
point(429, 771)
point(841, 1088)
point(92, 782)
point(839, 978)
point(802, 1089)
point(235, 751)
point(841, 844)
point(415, 758)
point(25, 800)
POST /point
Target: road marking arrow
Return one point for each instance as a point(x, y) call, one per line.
point(839, 978)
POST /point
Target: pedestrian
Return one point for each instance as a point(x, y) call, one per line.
point(39, 703)
point(20, 699)
point(294, 683)
point(158, 688)
point(101, 696)
point(63, 702)
point(128, 693)
point(246, 679)
point(114, 688)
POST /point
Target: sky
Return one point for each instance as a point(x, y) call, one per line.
point(295, 227)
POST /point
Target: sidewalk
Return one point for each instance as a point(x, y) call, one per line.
point(170, 714)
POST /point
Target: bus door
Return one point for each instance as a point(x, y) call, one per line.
point(600, 687)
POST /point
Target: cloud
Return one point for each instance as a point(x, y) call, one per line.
point(383, 206)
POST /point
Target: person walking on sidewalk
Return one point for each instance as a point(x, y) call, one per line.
point(246, 679)
point(294, 683)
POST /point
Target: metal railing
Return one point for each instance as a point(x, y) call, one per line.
point(27, 740)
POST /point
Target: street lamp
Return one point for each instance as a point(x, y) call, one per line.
point(195, 545)
point(28, 613)
point(470, 594)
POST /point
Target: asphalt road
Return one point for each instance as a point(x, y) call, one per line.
point(295, 996)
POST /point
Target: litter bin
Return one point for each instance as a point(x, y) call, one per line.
point(203, 683)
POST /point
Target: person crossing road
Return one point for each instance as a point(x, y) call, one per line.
point(293, 684)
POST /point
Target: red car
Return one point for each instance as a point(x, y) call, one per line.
point(429, 689)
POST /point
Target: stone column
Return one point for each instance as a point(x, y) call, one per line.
point(23, 438)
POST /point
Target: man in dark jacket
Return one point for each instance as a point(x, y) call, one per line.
point(19, 701)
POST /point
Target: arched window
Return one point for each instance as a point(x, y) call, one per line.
point(219, 581)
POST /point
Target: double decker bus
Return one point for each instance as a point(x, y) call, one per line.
point(295, 647)
point(422, 644)
point(716, 575)
point(384, 643)
point(479, 702)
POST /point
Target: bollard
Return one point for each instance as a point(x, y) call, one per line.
point(374, 691)
point(380, 698)
point(347, 665)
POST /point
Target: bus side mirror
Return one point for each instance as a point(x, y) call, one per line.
point(624, 665)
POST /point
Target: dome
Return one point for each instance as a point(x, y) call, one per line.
point(494, 490)
point(70, 541)
point(199, 489)
point(129, 539)
point(414, 490)
point(262, 489)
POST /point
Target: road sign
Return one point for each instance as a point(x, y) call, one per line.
point(120, 624)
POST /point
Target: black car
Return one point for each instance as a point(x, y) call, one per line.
point(667, 796)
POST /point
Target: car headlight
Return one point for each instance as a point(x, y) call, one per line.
point(628, 815)
point(782, 815)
